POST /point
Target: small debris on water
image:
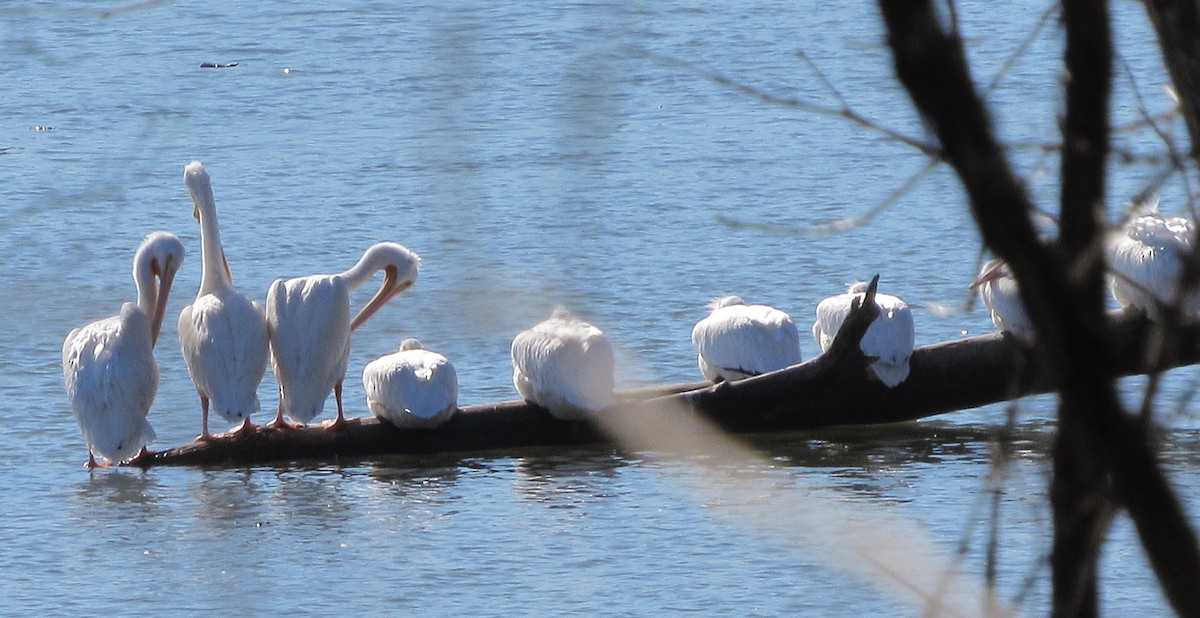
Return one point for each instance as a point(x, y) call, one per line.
point(217, 65)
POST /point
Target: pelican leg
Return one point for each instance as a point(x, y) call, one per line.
point(279, 423)
point(340, 421)
point(91, 462)
point(204, 435)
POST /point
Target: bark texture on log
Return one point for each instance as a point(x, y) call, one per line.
point(829, 390)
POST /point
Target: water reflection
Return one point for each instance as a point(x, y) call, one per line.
point(130, 491)
point(569, 479)
point(226, 499)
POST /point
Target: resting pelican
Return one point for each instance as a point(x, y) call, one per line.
point(564, 365)
point(414, 388)
point(309, 323)
point(999, 292)
point(737, 340)
point(888, 342)
point(223, 334)
point(108, 365)
point(1145, 259)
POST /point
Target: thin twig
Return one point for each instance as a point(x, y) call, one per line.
point(837, 225)
point(848, 113)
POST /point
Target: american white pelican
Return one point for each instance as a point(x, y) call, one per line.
point(108, 365)
point(414, 388)
point(888, 342)
point(565, 365)
point(1145, 261)
point(223, 334)
point(1000, 294)
point(737, 340)
point(309, 323)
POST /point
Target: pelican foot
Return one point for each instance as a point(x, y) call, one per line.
point(145, 452)
point(92, 464)
point(244, 429)
point(339, 423)
point(279, 423)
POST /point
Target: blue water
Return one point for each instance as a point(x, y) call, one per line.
point(533, 155)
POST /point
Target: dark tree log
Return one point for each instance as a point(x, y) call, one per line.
point(829, 390)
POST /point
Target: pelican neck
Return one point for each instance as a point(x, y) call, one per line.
point(214, 275)
point(143, 278)
point(374, 259)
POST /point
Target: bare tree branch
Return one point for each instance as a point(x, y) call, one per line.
point(1058, 285)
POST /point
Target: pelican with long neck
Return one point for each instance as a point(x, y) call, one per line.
point(310, 325)
point(222, 334)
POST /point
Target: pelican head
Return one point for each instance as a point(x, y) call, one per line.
point(199, 186)
point(992, 270)
point(399, 266)
point(160, 255)
point(410, 344)
point(725, 301)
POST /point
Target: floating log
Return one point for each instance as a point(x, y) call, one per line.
point(832, 389)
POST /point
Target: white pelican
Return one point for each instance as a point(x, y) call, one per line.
point(108, 365)
point(309, 323)
point(737, 340)
point(888, 342)
point(222, 334)
point(1000, 294)
point(414, 388)
point(564, 365)
point(1145, 260)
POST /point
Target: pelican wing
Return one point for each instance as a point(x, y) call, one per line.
point(831, 312)
point(1002, 298)
point(412, 388)
point(564, 366)
point(746, 340)
point(223, 337)
point(891, 336)
point(111, 379)
point(309, 323)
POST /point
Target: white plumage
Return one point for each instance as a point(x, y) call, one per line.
point(1145, 263)
point(414, 388)
point(309, 323)
point(564, 365)
point(737, 340)
point(888, 342)
point(222, 334)
point(1000, 294)
point(108, 366)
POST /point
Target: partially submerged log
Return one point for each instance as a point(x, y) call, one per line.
point(829, 390)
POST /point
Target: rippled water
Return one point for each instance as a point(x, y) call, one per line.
point(573, 153)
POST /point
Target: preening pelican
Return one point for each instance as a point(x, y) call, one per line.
point(309, 323)
point(1000, 294)
point(223, 335)
point(414, 388)
point(888, 342)
point(737, 340)
point(564, 365)
point(108, 366)
point(1145, 261)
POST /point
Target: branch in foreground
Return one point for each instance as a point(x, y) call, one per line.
point(822, 392)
